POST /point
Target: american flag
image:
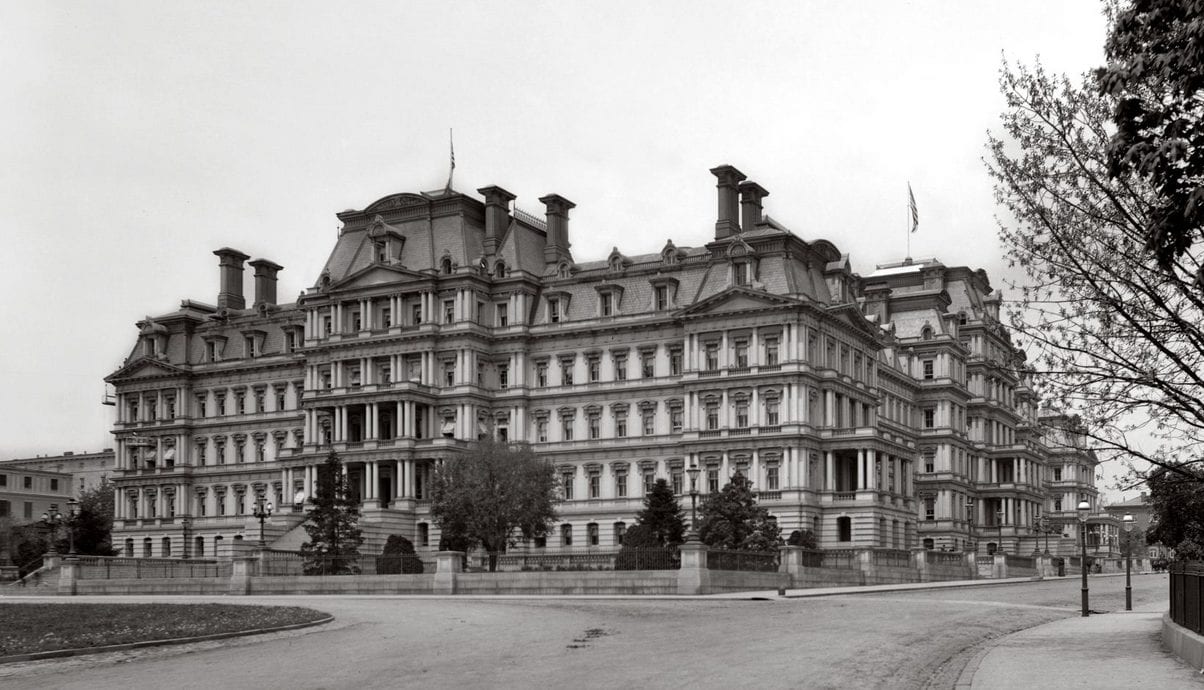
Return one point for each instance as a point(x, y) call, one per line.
point(452, 147)
point(911, 205)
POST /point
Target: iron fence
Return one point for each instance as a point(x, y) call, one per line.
point(892, 558)
point(1020, 561)
point(845, 559)
point(653, 558)
point(1187, 595)
point(812, 558)
point(743, 561)
point(113, 568)
point(943, 557)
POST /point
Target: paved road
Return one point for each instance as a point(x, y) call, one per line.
point(890, 640)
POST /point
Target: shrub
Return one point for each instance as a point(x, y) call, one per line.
point(398, 557)
point(804, 538)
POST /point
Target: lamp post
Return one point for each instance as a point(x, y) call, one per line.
point(263, 511)
point(72, 512)
point(999, 524)
point(1128, 520)
point(1043, 525)
point(52, 519)
point(970, 525)
point(693, 472)
point(1083, 508)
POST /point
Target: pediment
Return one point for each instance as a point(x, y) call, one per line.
point(738, 300)
point(850, 315)
point(145, 368)
point(396, 201)
point(376, 274)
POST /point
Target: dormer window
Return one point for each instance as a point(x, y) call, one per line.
point(445, 266)
point(499, 269)
point(607, 304)
point(662, 297)
point(554, 310)
point(926, 333)
point(740, 273)
point(562, 271)
point(253, 343)
point(250, 347)
point(214, 348)
point(382, 253)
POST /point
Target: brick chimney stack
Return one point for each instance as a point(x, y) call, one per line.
point(497, 214)
point(557, 247)
point(265, 281)
point(729, 178)
point(751, 194)
point(229, 294)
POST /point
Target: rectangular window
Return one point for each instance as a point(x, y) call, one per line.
point(3, 480)
point(620, 425)
point(220, 449)
point(28, 510)
point(416, 314)
point(675, 362)
point(566, 429)
point(928, 365)
point(595, 370)
point(566, 481)
point(675, 420)
point(647, 365)
point(566, 373)
point(279, 398)
point(771, 352)
point(28, 482)
point(929, 418)
point(170, 403)
point(202, 408)
point(620, 367)
point(503, 376)
point(1057, 474)
point(713, 481)
point(662, 298)
point(591, 534)
point(607, 304)
point(541, 374)
point(566, 535)
point(356, 322)
point(54, 484)
point(386, 317)
point(712, 417)
point(327, 325)
point(711, 361)
point(741, 354)
point(221, 406)
point(449, 311)
point(677, 479)
point(260, 401)
point(740, 273)
point(386, 374)
point(595, 429)
point(290, 341)
point(930, 508)
point(503, 315)
point(252, 351)
point(553, 310)
point(541, 430)
point(213, 351)
point(742, 415)
point(648, 420)
point(621, 484)
point(771, 478)
point(649, 481)
point(595, 486)
point(240, 403)
point(449, 373)
point(771, 412)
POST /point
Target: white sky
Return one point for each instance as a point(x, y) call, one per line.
point(140, 136)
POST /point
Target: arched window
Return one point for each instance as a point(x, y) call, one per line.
point(844, 529)
point(129, 548)
point(147, 545)
point(166, 547)
point(620, 532)
point(926, 333)
point(591, 534)
point(198, 547)
point(446, 265)
point(499, 270)
point(566, 535)
point(424, 534)
point(217, 546)
point(961, 318)
point(563, 271)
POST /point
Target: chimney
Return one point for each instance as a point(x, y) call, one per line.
point(557, 247)
point(497, 213)
point(751, 194)
point(229, 294)
point(265, 281)
point(728, 223)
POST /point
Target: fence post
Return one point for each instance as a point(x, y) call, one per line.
point(972, 564)
point(999, 569)
point(240, 576)
point(693, 577)
point(68, 575)
point(447, 567)
point(791, 563)
point(919, 561)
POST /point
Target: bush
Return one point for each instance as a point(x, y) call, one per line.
point(642, 551)
point(804, 538)
point(398, 557)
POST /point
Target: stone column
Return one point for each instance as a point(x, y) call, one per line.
point(448, 564)
point(693, 578)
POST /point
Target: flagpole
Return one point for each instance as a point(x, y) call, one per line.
point(907, 223)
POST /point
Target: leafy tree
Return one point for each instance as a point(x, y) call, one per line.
point(1177, 500)
point(493, 494)
point(93, 522)
point(661, 516)
point(1115, 338)
point(731, 519)
point(804, 538)
point(398, 556)
point(332, 523)
point(1155, 74)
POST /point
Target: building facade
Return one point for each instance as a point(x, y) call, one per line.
point(26, 493)
point(87, 470)
point(875, 412)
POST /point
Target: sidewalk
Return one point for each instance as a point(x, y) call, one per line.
point(1110, 650)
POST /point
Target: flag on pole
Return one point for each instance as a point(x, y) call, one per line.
point(452, 147)
point(911, 205)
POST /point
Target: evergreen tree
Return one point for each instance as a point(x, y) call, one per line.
point(731, 519)
point(332, 524)
point(661, 516)
point(93, 522)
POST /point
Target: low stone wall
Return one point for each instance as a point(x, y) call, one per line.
point(886, 575)
point(733, 581)
point(342, 584)
point(571, 582)
point(1182, 642)
point(183, 585)
point(806, 578)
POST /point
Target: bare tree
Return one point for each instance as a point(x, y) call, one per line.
point(1114, 338)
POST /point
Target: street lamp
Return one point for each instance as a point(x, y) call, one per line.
point(1043, 525)
point(263, 511)
point(1128, 520)
point(999, 524)
point(72, 512)
point(693, 472)
point(1083, 508)
point(970, 525)
point(52, 519)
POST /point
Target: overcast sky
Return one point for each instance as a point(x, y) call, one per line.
point(140, 136)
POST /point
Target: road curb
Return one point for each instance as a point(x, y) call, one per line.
point(81, 651)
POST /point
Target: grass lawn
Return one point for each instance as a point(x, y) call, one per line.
point(26, 628)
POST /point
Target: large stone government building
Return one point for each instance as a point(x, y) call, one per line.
point(887, 410)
